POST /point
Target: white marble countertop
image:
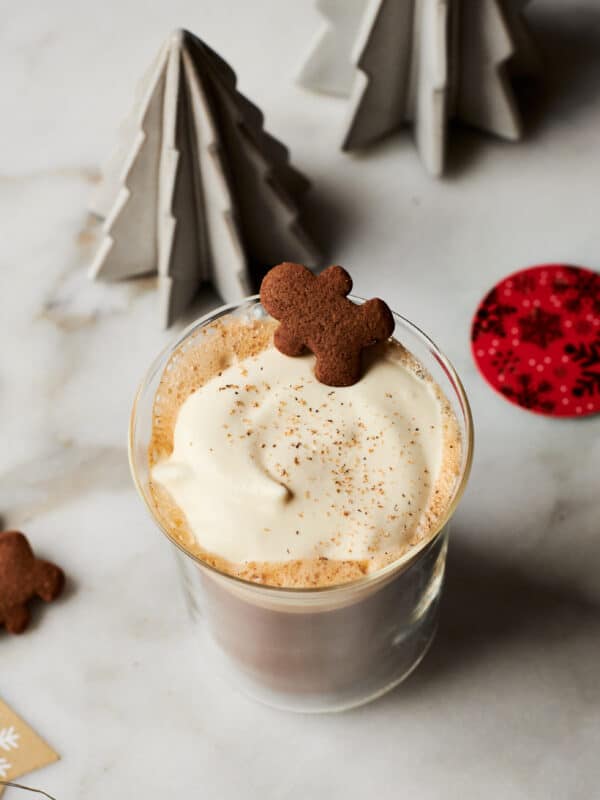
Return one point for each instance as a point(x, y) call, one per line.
point(507, 703)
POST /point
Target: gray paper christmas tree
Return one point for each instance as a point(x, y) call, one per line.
point(196, 190)
point(424, 62)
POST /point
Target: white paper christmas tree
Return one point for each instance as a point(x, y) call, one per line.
point(196, 190)
point(421, 61)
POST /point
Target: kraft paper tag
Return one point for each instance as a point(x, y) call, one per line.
point(21, 749)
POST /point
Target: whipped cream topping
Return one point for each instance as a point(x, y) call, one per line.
point(269, 465)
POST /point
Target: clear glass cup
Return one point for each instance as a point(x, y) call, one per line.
point(325, 649)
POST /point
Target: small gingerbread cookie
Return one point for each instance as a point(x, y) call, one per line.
point(315, 313)
point(23, 577)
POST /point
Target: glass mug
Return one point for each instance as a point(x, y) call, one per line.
point(316, 649)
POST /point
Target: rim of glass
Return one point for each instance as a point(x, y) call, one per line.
point(162, 359)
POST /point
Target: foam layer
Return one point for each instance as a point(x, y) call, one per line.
point(271, 476)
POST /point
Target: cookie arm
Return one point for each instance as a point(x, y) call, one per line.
point(49, 580)
point(378, 320)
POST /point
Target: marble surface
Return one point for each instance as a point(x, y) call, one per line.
point(507, 703)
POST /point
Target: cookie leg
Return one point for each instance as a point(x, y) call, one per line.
point(287, 343)
point(16, 619)
point(341, 371)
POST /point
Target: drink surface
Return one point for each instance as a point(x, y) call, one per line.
point(271, 476)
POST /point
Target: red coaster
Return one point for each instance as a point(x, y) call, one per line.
point(536, 339)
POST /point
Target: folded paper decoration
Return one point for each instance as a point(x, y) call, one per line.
point(196, 190)
point(421, 62)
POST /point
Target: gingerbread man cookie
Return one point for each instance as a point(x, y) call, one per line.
point(23, 577)
point(315, 313)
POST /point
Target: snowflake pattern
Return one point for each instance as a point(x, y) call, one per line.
point(588, 383)
point(21, 749)
point(573, 304)
point(506, 361)
point(540, 327)
point(490, 316)
point(5, 768)
point(525, 283)
point(587, 358)
point(9, 739)
point(581, 289)
point(528, 395)
point(585, 355)
point(572, 278)
point(536, 339)
point(561, 283)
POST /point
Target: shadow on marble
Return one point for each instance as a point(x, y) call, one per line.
point(205, 301)
point(465, 147)
point(568, 41)
point(330, 215)
point(568, 44)
point(491, 603)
